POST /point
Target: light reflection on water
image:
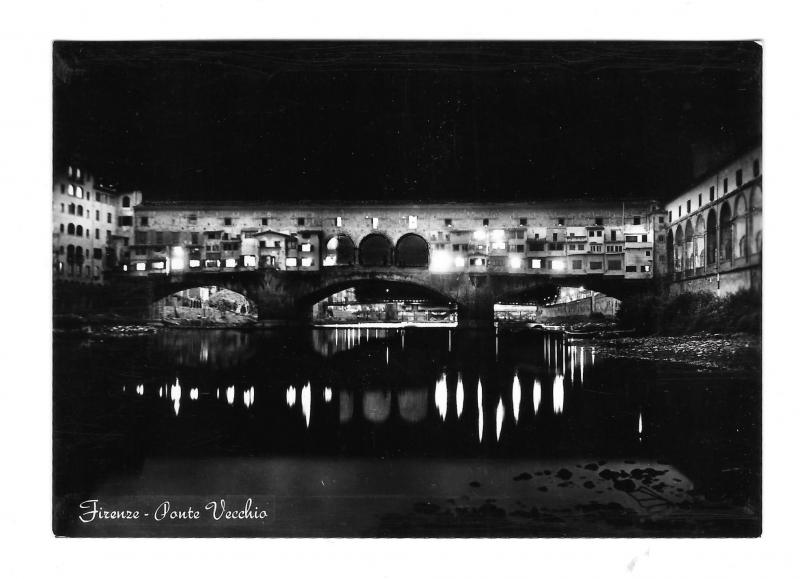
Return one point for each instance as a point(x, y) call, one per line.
point(411, 403)
point(193, 393)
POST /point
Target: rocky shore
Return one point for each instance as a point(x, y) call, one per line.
point(707, 351)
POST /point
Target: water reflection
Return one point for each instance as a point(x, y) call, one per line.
point(459, 397)
point(305, 403)
point(558, 394)
point(440, 396)
point(413, 404)
point(480, 411)
point(500, 415)
point(566, 402)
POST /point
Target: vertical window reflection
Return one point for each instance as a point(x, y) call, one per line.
point(459, 396)
point(440, 396)
point(500, 415)
point(480, 411)
point(230, 394)
point(516, 395)
point(537, 395)
point(558, 394)
point(305, 402)
point(291, 396)
point(175, 396)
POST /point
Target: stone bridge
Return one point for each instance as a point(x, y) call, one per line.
point(288, 296)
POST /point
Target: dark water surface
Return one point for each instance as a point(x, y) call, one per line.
point(416, 432)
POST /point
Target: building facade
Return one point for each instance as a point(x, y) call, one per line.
point(92, 225)
point(587, 238)
point(715, 228)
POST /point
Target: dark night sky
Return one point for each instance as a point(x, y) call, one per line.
point(402, 121)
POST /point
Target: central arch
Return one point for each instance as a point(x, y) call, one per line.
point(375, 250)
point(412, 251)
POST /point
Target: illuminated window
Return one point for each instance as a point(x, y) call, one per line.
point(515, 262)
point(141, 266)
point(375, 223)
point(212, 263)
point(124, 268)
point(193, 263)
point(645, 268)
point(306, 262)
point(158, 265)
point(459, 261)
point(338, 222)
point(536, 264)
point(305, 247)
point(69, 170)
point(230, 262)
point(558, 265)
point(250, 261)
point(412, 221)
point(79, 192)
point(77, 173)
point(291, 262)
point(71, 190)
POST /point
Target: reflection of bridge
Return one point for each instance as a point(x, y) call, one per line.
point(289, 296)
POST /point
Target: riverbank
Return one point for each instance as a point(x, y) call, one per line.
point(738, 352)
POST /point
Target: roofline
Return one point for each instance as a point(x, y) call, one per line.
point(333, 204)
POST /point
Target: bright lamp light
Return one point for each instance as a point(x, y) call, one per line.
point(440, 261)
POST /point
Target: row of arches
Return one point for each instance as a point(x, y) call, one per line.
point(713, 239)
point(377, 250)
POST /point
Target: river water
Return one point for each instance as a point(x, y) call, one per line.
point(399, 432)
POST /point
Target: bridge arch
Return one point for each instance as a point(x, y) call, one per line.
point(725, 239)
point(315, 295)
point(412, 250)
point(339, 250)
point(375, 250)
